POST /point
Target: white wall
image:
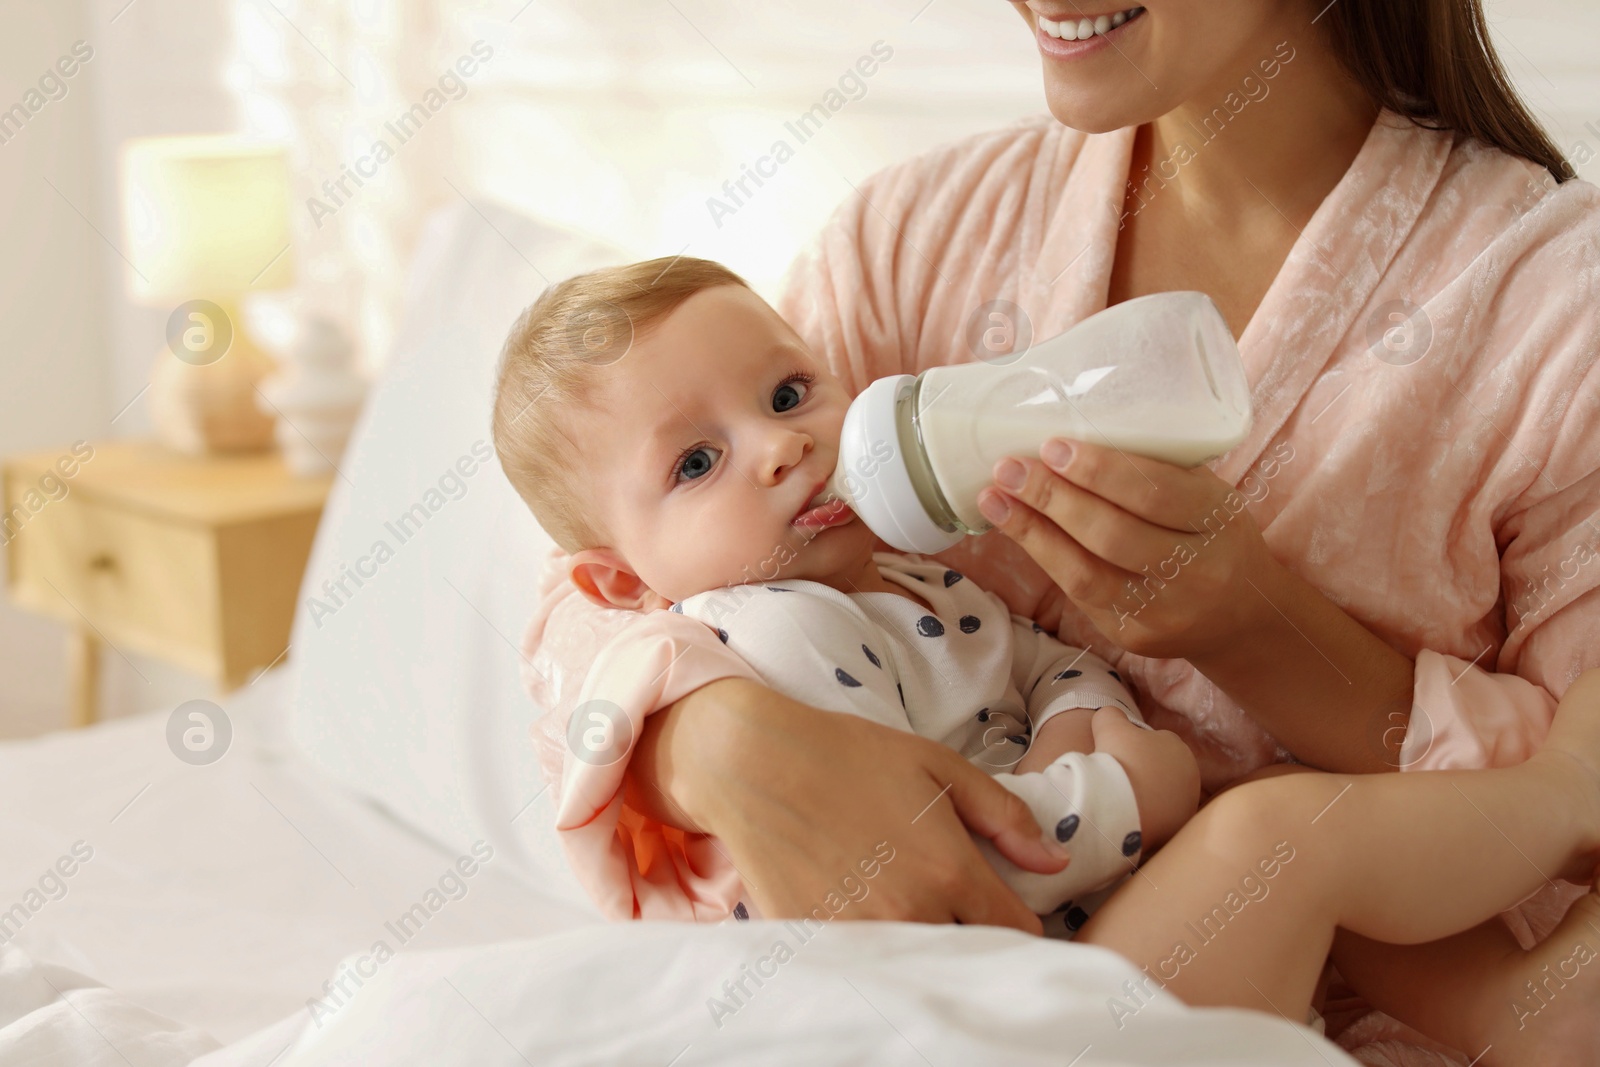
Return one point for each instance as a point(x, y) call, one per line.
point(73, 350)
point(688, 98)
point(53, 369)
point(1551, 49)
point(647, 116)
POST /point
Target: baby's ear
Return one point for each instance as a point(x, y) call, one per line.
point(607, 580)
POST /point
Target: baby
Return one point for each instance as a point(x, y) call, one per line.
point(678, 450)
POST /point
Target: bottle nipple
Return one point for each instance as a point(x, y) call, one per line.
point(834, 490)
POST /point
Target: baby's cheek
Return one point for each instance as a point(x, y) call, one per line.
point(736, 546)
point(710, 555)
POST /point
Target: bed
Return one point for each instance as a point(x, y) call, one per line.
point(368, 874)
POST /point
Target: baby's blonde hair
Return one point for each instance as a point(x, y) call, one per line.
point(577, 325)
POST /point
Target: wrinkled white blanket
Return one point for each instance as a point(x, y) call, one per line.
point(674, 993)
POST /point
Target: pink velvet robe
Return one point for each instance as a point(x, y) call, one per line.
point(1437, 472)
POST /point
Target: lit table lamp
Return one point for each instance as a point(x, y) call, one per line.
point(207, 223)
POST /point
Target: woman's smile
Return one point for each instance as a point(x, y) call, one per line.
point(1074, 26)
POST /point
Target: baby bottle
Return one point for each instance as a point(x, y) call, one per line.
point(1159, 376)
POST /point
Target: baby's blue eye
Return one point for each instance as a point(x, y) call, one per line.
point(788, 395)
point(697, 464)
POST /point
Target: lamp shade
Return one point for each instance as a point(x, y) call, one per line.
point(206, 217)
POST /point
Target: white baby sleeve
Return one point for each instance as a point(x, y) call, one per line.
point(1084, 802)
point(1053, 677)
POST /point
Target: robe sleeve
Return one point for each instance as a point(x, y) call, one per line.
point(599, 673)
point(1496, 712)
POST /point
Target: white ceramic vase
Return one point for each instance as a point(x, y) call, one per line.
point(316, 397)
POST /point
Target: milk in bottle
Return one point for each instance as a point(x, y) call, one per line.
point(1157, 376)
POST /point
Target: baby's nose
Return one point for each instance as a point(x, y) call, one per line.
point(785, 450)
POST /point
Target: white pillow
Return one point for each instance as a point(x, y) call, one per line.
point(424, 571)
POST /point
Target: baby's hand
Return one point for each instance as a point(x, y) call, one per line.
point(1068, 732)
point(1164, 774)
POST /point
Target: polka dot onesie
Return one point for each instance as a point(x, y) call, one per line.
point(958, 668)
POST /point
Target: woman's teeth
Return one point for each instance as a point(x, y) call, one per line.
point(1083, 29)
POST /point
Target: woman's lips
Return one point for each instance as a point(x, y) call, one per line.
point(1064, 49)
point(823, 516)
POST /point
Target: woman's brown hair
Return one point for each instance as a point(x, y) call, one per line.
point(1432, 61)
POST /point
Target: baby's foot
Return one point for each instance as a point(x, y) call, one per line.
point(1547, 1009)
point(1575, 738)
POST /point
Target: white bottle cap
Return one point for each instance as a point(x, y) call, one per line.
point(872, 473)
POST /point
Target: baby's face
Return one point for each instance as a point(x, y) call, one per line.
point(707, 445)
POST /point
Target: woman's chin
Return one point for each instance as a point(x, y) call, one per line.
point(1099, 108)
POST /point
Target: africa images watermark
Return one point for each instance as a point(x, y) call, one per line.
point(850, 86)
point(1551, 982)
point(1253, 489)
point(731, 597)
point(1253, 888)
point(338, 591)
point(452, 86)
point(1544, 589)
point(199, 732)
point(1581, 151)
point(53, 86)
point(53, 486)
point(1251, 90)
point(452, 885)
point(737, 992)
point(599, 732)
point(50, 886)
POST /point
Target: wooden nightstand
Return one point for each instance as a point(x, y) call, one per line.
point(194, 560)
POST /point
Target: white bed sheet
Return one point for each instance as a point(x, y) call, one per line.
point(846, 993)
point(223, 896)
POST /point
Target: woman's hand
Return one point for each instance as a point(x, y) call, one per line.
point(1164, 561)
point(1168, 563)
point(801, 798)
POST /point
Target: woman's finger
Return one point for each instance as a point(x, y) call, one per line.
point(1098, 525)
point(990, 810)
point(990, 902)
point(1080, 574)
point(1160, 493)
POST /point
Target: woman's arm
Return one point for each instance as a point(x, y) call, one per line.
point(1331, 691)
point(799, 796)
point(680, 780)
point(1167, 562)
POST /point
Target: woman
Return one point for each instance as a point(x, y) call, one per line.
point(1407, 573)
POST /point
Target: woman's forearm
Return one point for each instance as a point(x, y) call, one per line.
point(799, 798)
point(1332, 692)
point(662, 780)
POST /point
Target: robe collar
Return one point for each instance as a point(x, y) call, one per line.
point(1314, 303)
